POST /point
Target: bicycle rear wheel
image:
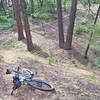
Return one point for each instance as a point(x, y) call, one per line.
point(40, 85)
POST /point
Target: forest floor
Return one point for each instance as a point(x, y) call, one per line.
point(70, 74)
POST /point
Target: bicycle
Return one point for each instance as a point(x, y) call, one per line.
point(25, 77)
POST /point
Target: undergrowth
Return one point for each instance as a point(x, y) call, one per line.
point(44, 16)
point(12, 45)
point(6, 23)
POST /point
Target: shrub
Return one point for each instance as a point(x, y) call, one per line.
point(88, 28)
point(43, 16)
point(51, 60)
point(97, 62)
point(29, 9)
point(9, 12)
point(81, 28)
point(92, 78)
point(3, 19)
point(6, 23)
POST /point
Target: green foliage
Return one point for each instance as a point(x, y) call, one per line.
point(96, 1)
point(51, 60)
point(97, 28)
point(90, 65)
point(3, 19)
point(88, 29)
point(12, 45)
point(43, 16)
point(29, 9)
point(91, 16)
point(50, 5)
point(92, 78)
point(81, 28)
point(97, 45)
point(97, 62)
point(86, 2)
point(9, 12)
point(6, 23)
point(96, 34)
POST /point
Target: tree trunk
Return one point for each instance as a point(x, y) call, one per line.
point(32, 5)
point(65, 2)
point(71, 25)
point(87, 49)
point(13, 9)
point(18, 19)
point(89, 2)
point(26, 25)
point(97, 15)
point(41, 3)
point(60, 24)
point(3, 6)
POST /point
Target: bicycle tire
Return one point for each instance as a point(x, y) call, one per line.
point(36, 81)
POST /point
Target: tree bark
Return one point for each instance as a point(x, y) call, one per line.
point(3, 6)
point(26, 25)
point(41, 2)
point(18, 19)
point(71, 25)
point(89, 2)
point(60, 24)
point(32, 5)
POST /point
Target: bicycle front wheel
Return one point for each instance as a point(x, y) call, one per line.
point(40, 85)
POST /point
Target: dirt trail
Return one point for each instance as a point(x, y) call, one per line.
point(69, 73)
point(70, 81)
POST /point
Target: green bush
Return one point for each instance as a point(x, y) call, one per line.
point(12, 45)
point(3, 19)
point(84, 2)
point(50, 6)
point(9, 12)
point(51, 60)
point(97, 45)
point(81, 28)
point(6, 23)
point(43, 16)
point(29, 9)
point(88, 28)
point(97, 62)
point(92, 78)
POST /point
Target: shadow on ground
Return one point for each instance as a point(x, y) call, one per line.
point(37, 50)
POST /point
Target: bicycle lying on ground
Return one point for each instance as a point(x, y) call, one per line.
point(22, 76)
